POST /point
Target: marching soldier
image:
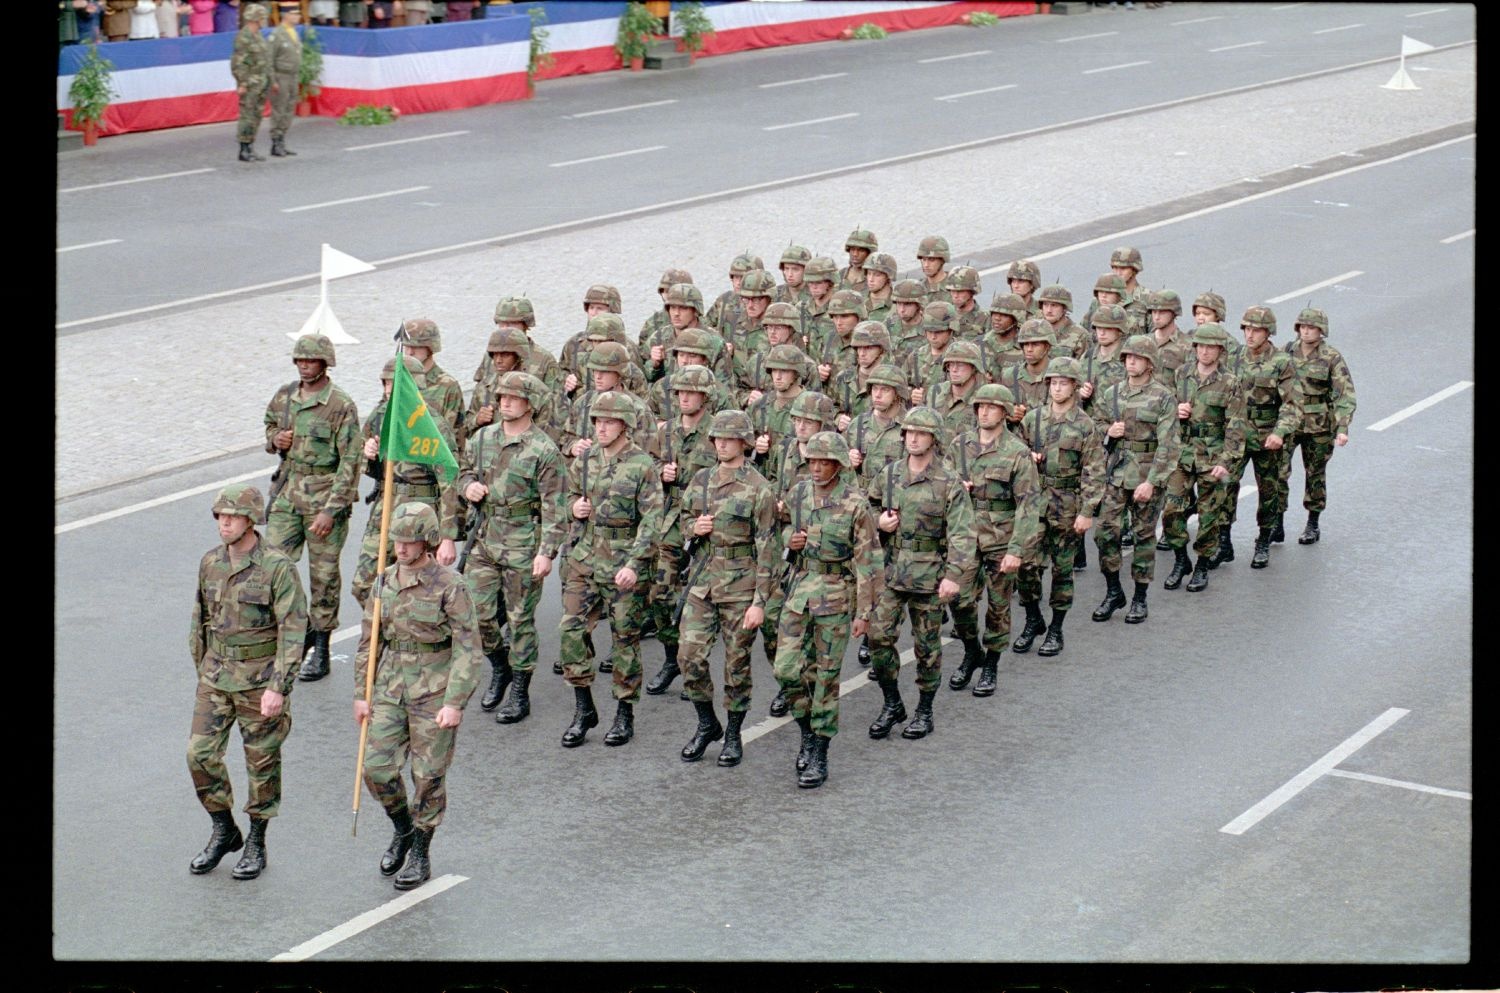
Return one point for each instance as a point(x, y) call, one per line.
point(1273, 414)
point(963, 363)
point(818, 277)
point(924, 366)
point(874, 437)
point(1028, 379)
point(1068, 337)
point(750, 334)
point(1102, 367)
point(421, 340)
point(517, 314)
point(793, 261)
point(659, 318)
point(859, 245)
point(607, 364)
point(1172, 345)
point(906, 318)
point(601, 298)
point(850, 388)
point(932, 256)
point(1001, 349)
point(846, 309)
point(724, 311)
point(771, 413)
point(1023, 278)
point(1327, 408)
point(963, 287)
point(880, 275)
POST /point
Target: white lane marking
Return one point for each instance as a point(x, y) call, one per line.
point(960, 55)
point(1197, 20)
point(1424, 13)
point(368, 196)
point(815, 120)
point(1289, 6)
point(370, 918)
point(138, 179)
point(1367, 778)
point(351, 631)
point(1457, 237)
point(1421, 405)
point(1086, 37)
point(846, 687)
point(610, 155)
point(1307, 776)
point(110, 515)
point(804, 79)
point(1341, 27)
point(89, 244)
point(1243, 44)
point(405, 141)
point(972, 93)
point(1122, 65)
point(1249, 198)
point(1317, 286)
point(616, 110)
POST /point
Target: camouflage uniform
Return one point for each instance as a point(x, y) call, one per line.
point(838, 350)
point(878, 305)
point(1104, 367)
point(1031, 301)
point(1176, 350)
point(772, 414)
point(725, 308)
point(286, 62)
point(877, 439)
point(748, 338)
point(251, 67)
point(575, 350)
point(608, 327)
point(794, 255)
point(607, 356)
point(849, 387)
point(935, 289)
point(924, 368)
point(706, 345)
point(1327, 408)
point(955, 407)
point(659, 318)
point(906, 336)
point(852, 277)
point(668, 337)
point(1273, 405)
point(1029, 388)
point(539, 361)
point(1003, 351)
point(975, 321)
point(551, 413)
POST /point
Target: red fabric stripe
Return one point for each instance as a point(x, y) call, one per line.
point(828, 29)
point(580, 61)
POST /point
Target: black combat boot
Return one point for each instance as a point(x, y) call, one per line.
point(668, 672)
point(247, 154)
point(1127, 538)
point(709, 730)
point(986, 684)
point(584, 717)
point(1200, 575)
point(315, 657)
point(1278, 531)
point(1035, 625)
point(1053, 643)
point(779, 705)
point(1180, 566)
point(733, 749)
point(864, 650)
point(1137, 611)
point(648, 626)
point(254, 860)
point(623, 729)
point(608, 665)
point(226, 838)
point(816, 773)
point(418, 869)
point(518, 707)
point(1225, 551)
point(1081, 560)
point(973, 659)
point(500, 676)
point(308, 641)
point(1114, 597)
point(278, 147)
point(1310, 533)
point(394, 856)
point(804, 754)
point(893, 713)
point(1262, 556)
point(921, 721)
point(1162, 545)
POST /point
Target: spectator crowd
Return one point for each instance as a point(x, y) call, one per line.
point(85, 21)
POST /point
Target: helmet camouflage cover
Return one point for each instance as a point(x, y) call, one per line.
point(786, 357)
point(1126, 256)
point(881, 262)
point(314, 346)
point(515, 309)
point(940, 315)
point(860, 238)
point(1260, 317)
point(1140, 344)
point(757, 283)
point(608, 356)
point(1064, 367)
point(1315, 317)
point(923, 419)
point(241, 500)
point(1213, 302)
point(424, 332)
point(685, 295)
point(1036, 329)
point(828, 445)
point(694, 378)
point(965, 277)
point(1009, 303)
point(820, 269)
point(613, 403)
point(847, 302)
point(1211, 333)
point(732, 424)
point(1056, 293)
point(811, 405)
point(933, 246)
point(993, 393)
point(1110, 315)
point(673, 276)
point(867, 333)
point(908, 291)
point(1024, 269)
point(1109, 283)
point(414, 521)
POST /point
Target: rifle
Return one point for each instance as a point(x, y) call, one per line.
point(793, 559)
point(694, 544)
point(1036, 439)
point(666, 433)
point(278, 478)
point(859, 442)
point(576, 531)
point(474, 522)
point(890, 504)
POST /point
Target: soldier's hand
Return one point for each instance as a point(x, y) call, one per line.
point(476, 492)
point(571, 383)
point(843, 422)
point(486, 415)
point(968, 485)
point(947, 589)
point(1016, 413)
point(582, 445)
point(1272, 443)
point(282, 440)
point(1144, 493)
point(540, 567)
point(856, 458)
point(753, 618)
point(798, 541)
point(240, 89)
point(447, 554)
point(1116, 430)
point(582, 509)
point(918, 394)
point(361, 711)
point(1184, 411)
point(1010, 563)
point(656, 353)
point(703, 525)
point(1086, 390)
point(1038, 456)
point(372, 448)
point(271, 703)
point(322, 525)
point(824, 371)
point(275, 87)
point(860, 628)
point(1341, 440)
point(888, 521)
point(449, 717)
point(1219, 473)
point(625, 578)
point(753, 396)
point(669, 472)
point(763, 443)
point(1082, 524)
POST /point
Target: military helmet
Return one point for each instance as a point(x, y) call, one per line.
point(1109, 283)
point(1260, 317)
point(693, 378)
point(608, 356)
point(1164, 300)
point(1009, 303)
point(1140, 344)
point(605, 294)
point(933, 246)
point(923, 419)
point(1315, 317)
point(515, 309)
point(820, 269)
point(1126, 256)
point(1211, 333)
point(757, 283)
point(523, 385)
point(1063, 367)
point(694, 341)
point(828, 445)
point(673, 276)
point(782, 313)
point(509, 340)
point(860, 238)
point(1024, 269)
point(796, 255)
point(1036, 329)
point(908, 291)
point(240, 500)
point(314, 346)
point(1056, 293)
point(388, 371)
point(965, 277)
point(881, 262)
point(685, 295)
point(606, 327)
point(744, 262)
point(940, 315)
point(811, 405)
point(964, 351)
point(1110, 315)
point(887, 374)
point(732, 424)
point(847, 302)
point(1213, 302)
point(993, 393)
point(253, 12)
point(422, 331)
point(786, 357)
point(414, 521)
point(867, 333)
point(613, 403)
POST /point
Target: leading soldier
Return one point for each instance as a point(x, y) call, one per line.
point(1273, 412)
point(1327, 408)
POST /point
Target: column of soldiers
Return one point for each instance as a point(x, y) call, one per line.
point(808, 460)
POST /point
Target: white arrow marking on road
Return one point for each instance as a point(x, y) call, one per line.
point(1383, 781)
point(370, 918)
point(370, 196)
point(1317, 286)
point(1457, 237)
point(1421, 405)
point(90, 244)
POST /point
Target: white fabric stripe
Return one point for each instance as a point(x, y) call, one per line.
point(422, 68)
point(730, 16)
point(577, 35)
point(160, 82)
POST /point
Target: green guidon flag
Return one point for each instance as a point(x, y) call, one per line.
point(409, 433)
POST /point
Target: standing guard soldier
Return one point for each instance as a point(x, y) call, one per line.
point(245, 640)
point(1273, 413)
point(251, 66)
point(1327, 408)
point(286, 65)
point(315, 427)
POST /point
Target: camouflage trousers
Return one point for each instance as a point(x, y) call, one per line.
point(215, 711)
point(1185, 486)
point(666, 590)
point(504, 593)
point(1120, 514)
point(289, 531)
point(1317, 449)
point(283, 104)
point(997, 587)
point(585, 597)
point(809, 655)
point(1270, 485)
point(702, 622)
point(1059, 550)
point(369, 546)
point(926, 612)
point(402, 726)
point(252, 107)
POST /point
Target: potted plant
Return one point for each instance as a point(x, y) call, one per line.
point(90, 94)
point(695, 26)
point(310, 72)
point(637, 25)
point(539, 56)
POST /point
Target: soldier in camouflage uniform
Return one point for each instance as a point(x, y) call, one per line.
point(251, 66)
point(752, 375)
point(508, 350)
point(684, 313)
point(1172, 345)
point(1027, 380)
point(1211, 414)
point(859, 245)
point(286, 63)
point(877, 290)
point(963, 286)
point(245, 639)
point(512, 474)
point(425, 672)
point(1210, 307)
point(1001, 349)
point(1023, 278)
point(793, 261)
point(1138, 418)
point(831, 579)
point(930, 557)
point(314, 425)
point(1102, 367)
point(905, 320)
point(659, 318)
point(850, 388)
point(1273, 413)
point(1069, 454)
point(1328, 403)
point(749, 334)
point(694, 348)
point(962, 363)
point(924, 366)
point(421, 340)
point(1002, 482)
point(818, 276)
point(516, 313)
point(607, 363)
point(601, 298)
point(722, 314)
point(846, 309)
point(731, 545)
point(874, 436)
point(932, 256)
point(609, 327)
point(771, 413)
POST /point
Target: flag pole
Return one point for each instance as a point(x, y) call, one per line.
point(364, 726)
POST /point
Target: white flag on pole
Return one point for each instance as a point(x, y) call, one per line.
point(336, 265)
point(1411, 46)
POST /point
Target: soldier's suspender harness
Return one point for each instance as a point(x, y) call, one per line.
point(963, 458)
point(474, 523)
point(694, 543)
point(793, 559)
point(847, 406)
point(984, 360)
point(667, 446)
point(1114, 451)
